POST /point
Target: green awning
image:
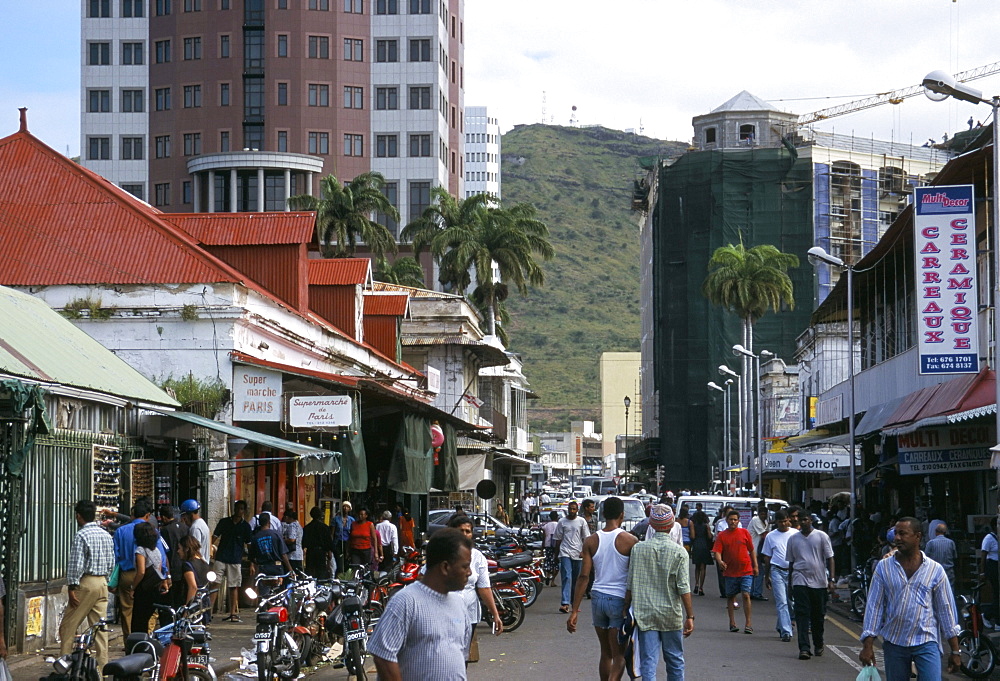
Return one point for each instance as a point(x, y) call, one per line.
point(319, 460)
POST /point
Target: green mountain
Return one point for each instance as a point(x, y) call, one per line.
point(580, 180)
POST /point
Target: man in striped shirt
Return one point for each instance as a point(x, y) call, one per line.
point(910, 600)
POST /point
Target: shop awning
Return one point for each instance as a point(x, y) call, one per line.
point(312, 460)
point(471, 470)
point(808, 437)
point(960, 398)
point(876, 417)
point(506, 454)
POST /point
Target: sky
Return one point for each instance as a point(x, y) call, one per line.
point(647, 65)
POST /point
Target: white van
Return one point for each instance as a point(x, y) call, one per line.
point(635, 510)
point(711, 503)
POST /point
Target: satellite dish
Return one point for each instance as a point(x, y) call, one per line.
point(486, 489)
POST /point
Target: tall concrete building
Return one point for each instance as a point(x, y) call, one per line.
point(482, 153)
point(237, 105)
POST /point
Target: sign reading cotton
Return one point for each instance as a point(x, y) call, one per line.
point(946, 287)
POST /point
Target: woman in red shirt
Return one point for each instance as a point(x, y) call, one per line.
point(406, 525)
point(364, 545)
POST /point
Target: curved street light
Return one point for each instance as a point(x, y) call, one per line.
point(739, 350)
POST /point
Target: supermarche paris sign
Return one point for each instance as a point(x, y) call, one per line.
point(314, 411)
point(946, 449)
point(947, 293)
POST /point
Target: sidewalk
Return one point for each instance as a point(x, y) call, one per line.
point(228, 640)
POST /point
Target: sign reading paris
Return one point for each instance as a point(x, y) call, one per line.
point(314, 411)
point(947, 292)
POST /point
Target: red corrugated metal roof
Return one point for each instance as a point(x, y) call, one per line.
point(960, 394)
point(63, 224)
point(339, 271)
point(386, 304)
point(246, 229)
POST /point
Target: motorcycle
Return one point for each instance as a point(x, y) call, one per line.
point(187, 655)
point(310, 605)
point(349, 621)
point(859, 595)
point(278, 653)
point(978, 653)
point(509, 597)
point(80, 665)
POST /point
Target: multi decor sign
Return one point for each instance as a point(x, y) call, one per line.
point(947, 295)
point(950, 449)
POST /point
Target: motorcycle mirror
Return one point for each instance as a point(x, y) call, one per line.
point(251, 594)
point(211, 576)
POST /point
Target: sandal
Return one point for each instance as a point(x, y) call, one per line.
point(564, 609)
point(733, 628)
point(748, 630)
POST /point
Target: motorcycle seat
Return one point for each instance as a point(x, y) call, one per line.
point(130, 665)
point(141, 642)
point(506, 577)
point(516, 560)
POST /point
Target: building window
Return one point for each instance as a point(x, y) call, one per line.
point(319, 4)
point(133, 8)
point(99, 9)
point(386, 50)
point(386, 98)
point(748, 133)
point(420, 97)
point(224, 140)
point(282, 4)
point(223, 94)
point(319, 47)
point(420, 145)
point(134, 189)
point(98, 101)
point(224, 4)
point(99, 54)
point(386, 6)
point(186, 191)
point(354, 145)
point(131, 149)
point(354, 97)
point(162, 8)
point(283, 140)
point(192, 96)
point(162, 51)
point(192, 143)
point(386, 146)
point(283, 45)
point(133, 54)
point(162, 96)
point(192, 6)
point(224, 47)
point(162, 146)
point(420, 198)
point(162, 192)
point(391, 192)
point(709, 135)
point(319, 143)
point(133, 101)
point(420, 49)
point(192, 48)
point(354, 49)
point(354, 6)
point(99, 148)
point(319, 95)
point(282, 94)
point(420, 6)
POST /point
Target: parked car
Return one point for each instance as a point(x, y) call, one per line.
point(645, 498)
point(482, 524)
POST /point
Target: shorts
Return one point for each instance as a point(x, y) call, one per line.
point(735, 585)
point(231, 572)
point(607, 611)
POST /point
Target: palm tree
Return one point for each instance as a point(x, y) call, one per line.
point(405, 271)
point(476, 236)
point(344, 215)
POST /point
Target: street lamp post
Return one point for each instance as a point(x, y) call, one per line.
point(817, 253)
point(727, 433)
point(939, 86)
point(740, 350)
point(628, 466)
point(741, 445)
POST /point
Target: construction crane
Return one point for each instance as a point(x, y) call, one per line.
point(894, 97)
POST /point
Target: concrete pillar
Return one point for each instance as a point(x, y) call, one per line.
point(233, 190)
point(288, 187)
point(260, 190)
point(211, 191)
point(309, 183)
point(196, 187)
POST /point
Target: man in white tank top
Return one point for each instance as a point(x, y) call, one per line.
point(606, 552)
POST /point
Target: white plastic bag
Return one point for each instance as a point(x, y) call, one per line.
point(5, 672)
point(869, 673)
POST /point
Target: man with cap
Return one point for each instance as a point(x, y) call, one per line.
point(198, 528)
point(659, 592)
point(342, 524)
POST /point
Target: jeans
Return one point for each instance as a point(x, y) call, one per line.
point(926, 657)
point(779, 587)
point(607, 610)
point(672, 644)
point(757, 590)
point(810, 609)
point(569, 570)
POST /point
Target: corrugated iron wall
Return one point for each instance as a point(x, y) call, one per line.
point(280, 268)
point(337, 305)
point(382, 333)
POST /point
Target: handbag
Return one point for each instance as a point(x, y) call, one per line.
point(116, 573)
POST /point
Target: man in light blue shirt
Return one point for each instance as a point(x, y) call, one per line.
point(909, 602)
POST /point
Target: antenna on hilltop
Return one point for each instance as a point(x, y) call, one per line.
point(641, 128)
point(572, 117)
point(543, 107)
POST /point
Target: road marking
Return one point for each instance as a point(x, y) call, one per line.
point(843, 628)
point(843, 656)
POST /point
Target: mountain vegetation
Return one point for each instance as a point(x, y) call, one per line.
point(580, 182)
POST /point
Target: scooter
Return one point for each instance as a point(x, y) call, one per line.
point(979, 655)
point(80, 665)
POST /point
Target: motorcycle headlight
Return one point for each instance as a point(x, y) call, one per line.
point(62, 665)
point(310, 607)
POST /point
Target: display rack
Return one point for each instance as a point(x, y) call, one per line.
point(107, 469)
point(142, 480)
